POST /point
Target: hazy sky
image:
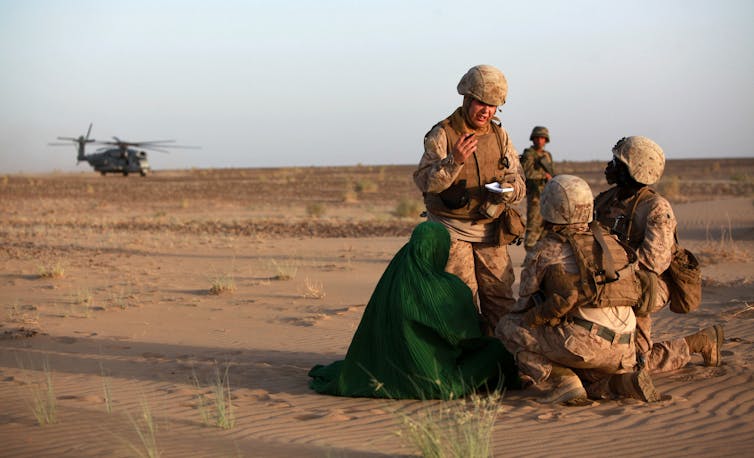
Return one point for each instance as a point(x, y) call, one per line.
point(322, 82)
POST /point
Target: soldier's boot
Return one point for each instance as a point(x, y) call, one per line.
point(708, 343)
point(637, 385)
point(567, 387)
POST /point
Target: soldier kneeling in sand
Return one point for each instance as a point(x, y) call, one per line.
point(574, 322)
point(641, 218)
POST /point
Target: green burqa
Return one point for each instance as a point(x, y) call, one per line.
point(419, 336)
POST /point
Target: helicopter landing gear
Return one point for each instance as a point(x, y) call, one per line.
point(143, 173)
point(125, 174)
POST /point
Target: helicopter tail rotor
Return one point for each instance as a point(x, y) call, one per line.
point(81, 141)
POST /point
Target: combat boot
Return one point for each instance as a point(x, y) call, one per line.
point(567, 387)
point(637, 385)
point(708, 343)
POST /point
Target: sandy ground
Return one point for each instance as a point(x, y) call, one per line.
point(131, 323)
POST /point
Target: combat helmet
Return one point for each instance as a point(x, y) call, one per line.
point(485, 83)
point(567, 199)
point(540, 131)
point(643, 157)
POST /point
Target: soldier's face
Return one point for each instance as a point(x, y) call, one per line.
point(480, 113)
point(539, 142)
point(611, 171)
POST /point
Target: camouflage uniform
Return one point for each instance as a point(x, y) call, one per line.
point(475, 254)
point(538, 168)
point(652, 235)
point(565, 339)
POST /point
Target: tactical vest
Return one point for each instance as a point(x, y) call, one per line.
point(622, 225)
point(486, 165)
point(593, 286)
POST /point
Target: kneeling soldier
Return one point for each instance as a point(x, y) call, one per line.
point(575, 323)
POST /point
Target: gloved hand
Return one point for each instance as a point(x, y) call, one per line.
point(532, 318)
point(507, 196)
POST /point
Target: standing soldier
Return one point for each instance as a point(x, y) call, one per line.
point(463, 153)
point(644, 220)
point(538, 168)
point(574, 320)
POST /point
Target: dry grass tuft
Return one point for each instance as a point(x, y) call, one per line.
point(222, 284)
point(408, 208)
point(350, 196)
point(284, 270)
point(315, 209)
point(725, 249)
point(222, 412)
point(365, 186)
point(146, 430)
point(455, 428)
point(51, 270)
point(313, 289)
point(43, 399)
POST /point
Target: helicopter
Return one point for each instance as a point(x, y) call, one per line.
point(119, 156)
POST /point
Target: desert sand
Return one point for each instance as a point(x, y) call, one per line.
point(132, 295)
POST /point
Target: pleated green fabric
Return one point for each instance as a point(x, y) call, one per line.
point(419, 337)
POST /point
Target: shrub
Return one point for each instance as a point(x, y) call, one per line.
point(408, 208)
point(315, 209)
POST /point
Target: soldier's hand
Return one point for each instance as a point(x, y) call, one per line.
point(464, 147)
point(533, 319)
point(507, 196)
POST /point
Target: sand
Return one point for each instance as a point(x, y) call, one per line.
point(132, 324)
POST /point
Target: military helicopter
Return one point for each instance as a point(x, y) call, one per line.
point(119, 156)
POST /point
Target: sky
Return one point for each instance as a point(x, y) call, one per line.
point(334, 82)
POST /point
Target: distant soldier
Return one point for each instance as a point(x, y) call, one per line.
point(574, 322)
point(538, 168)
point(462, 153)
point(644, 220)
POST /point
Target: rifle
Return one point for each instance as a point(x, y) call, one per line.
point(547, 167)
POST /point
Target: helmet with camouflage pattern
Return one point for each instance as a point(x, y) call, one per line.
point(540, 131)
point(643, 157)
point(485, 83)
point(567, 199)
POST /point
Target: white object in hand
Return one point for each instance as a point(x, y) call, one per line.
point(495, 187)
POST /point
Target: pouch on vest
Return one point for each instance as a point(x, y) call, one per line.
point(684, 279)
point(492, 206)
point(511, 227)
point(456, 196)
point(648, 301)
point(683, 276)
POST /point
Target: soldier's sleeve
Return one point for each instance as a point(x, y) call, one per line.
point(532, 274)
point(515, 175)
point(437, 170)
point(656, 251)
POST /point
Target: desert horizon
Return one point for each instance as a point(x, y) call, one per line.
point(179, 313)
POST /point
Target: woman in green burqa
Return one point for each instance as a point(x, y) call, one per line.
point(419, 337)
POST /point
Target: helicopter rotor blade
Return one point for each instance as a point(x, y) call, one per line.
point(159, 150)
point(146, 144)
point(180, 146)
point(88, 131)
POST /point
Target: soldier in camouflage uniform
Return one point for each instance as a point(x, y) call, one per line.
point(462, 154)
point(538, 168)
point(644, 220)
point(570, 325)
